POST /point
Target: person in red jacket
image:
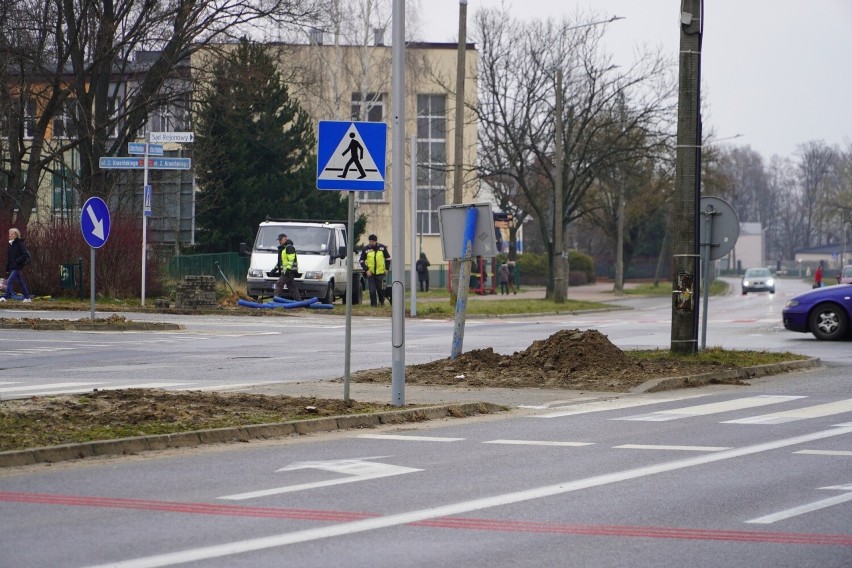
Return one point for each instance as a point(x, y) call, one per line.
point(818, 276)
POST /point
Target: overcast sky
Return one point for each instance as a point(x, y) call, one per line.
point(779, 72)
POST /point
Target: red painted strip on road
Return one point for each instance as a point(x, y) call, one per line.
point(445, 522)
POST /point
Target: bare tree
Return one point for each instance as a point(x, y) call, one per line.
point(80, 61)
point(817, 178)
point(516, 110)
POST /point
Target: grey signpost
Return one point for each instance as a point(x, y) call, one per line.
point(720, 230)
point(153, 146)
point(94, 224)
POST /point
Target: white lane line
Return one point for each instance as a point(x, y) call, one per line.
point(713, 408)
point(824, 452)
point(47, 386)
point(539, 443)
point(801, 510)
point(615, 404)
point(557, 403)
point(283, 539)
point(681, 448)
point(408, 438)
point(818, 411)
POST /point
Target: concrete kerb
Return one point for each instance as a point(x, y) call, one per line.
point(137, 444)
point(670, 383)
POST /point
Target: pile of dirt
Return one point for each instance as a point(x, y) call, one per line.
point(568, 359)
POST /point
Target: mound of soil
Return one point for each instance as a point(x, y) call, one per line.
point(568, 359)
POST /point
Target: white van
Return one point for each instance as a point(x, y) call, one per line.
point(321, 249)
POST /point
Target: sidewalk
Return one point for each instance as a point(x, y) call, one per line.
point(597, 292)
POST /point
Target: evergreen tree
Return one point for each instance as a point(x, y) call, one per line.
point(255, 153)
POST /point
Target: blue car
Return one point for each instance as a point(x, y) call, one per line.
point(825, 312)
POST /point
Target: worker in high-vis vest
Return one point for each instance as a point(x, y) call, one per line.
point(288, 267)
point(375, 259)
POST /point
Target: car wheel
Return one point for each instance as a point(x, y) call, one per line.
point(828, 322)
point(772, 290)
point(745, 291)
point(329, 294)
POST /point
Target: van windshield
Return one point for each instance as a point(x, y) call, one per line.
point(307, 240)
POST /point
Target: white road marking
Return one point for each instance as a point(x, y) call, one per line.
point(801, 510)
point(538, 443)
point(615, 404)
point(408, 438)
point(818, 411)
point(557, 403)
point(713, 408)
point(356, 469)
point(824, 452)
point(47, 386)
point(284, 539)
point(682, 448)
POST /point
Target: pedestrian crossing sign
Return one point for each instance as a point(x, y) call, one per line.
point(351, 155)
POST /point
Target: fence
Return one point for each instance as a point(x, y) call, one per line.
point(232, 265)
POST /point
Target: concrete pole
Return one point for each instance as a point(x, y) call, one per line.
point(685, 288)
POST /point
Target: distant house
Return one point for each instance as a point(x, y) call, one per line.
point(830, 255)
point(749, 251)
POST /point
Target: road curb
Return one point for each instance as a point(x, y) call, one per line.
point(670, 383)
point(82, 325)
point(138, 444)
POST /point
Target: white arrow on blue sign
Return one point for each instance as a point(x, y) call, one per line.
point(94, 222)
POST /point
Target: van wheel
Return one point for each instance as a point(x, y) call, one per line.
point(329, 294)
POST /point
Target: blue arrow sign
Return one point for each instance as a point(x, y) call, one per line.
point(94, 222)
point(351, 155)
point(108, 163)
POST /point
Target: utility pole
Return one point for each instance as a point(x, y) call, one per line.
point(459, 137)
point(558, 265)
point(685, 230)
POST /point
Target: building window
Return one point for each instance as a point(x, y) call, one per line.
point(65, 124)
point(431, 161)
point(369, 107)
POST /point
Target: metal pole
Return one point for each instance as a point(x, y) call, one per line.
point(464, 281)
point(92, 283)
point(398, 207)
point(558, 265)
point(144, 218)
point(412, 183)
point(349, 289)
point(705, 250)
point(458, 193)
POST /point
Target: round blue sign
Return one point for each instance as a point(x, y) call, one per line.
point(94, 222)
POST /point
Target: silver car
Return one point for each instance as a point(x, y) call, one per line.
point(758, 280)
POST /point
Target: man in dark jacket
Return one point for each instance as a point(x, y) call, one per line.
point(374, 260)
point(18, 256)
point(288, 266)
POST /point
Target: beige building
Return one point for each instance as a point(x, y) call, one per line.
point(342, 83)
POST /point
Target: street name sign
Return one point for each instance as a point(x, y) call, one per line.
point(130, 163)
point(179, 137)
point(139, 148)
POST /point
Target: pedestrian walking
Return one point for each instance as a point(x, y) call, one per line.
point(503, 275)
point(511, 265)
point(818, 276)
point(288, 268)
point(17, 258)
point(375, 259)
point(422, 265)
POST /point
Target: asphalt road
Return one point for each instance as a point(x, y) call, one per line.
point(755, 475)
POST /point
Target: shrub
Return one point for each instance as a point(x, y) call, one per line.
point(118, 264)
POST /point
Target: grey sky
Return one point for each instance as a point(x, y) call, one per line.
point(779, 72)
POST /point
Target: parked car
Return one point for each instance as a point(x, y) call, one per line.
point(758, 280)
point(845, 275)
point(825, 312)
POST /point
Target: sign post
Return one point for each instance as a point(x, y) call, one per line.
point(151, 147)
point(351, 156)
point(719, 233)
point(94, 224)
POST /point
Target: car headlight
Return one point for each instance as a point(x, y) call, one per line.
point(313, 275)
point(770, 282)
point(255, 273)
point(791, 303)
point(745, 282)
